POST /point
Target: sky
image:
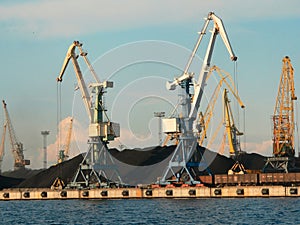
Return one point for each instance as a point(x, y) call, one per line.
point(139, 45)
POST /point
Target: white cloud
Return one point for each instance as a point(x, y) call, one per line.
point(263, 148)
point(66, 18)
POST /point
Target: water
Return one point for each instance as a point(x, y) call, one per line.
point(153, 211)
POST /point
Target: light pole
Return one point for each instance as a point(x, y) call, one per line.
point(45, 133)
point(159, 115)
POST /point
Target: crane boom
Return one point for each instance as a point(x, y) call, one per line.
point(199, 86)
point(16, 146)
point(84, 91)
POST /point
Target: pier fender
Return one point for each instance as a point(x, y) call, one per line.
point(240, 191)
point(218, 192)
point(6, 195)
point(169, 192)
point(44, 194)
point(265, 191)
point(192, 192)
point(63, 194)
point(125, 193)
point(26, 194)
point(85, 194)
point(148, 192)
point(104, 193)
point(294, 191)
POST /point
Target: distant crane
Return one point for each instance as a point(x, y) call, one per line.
point(16, 146)
point(2, 145)
point(233, 134)
point(63, 154)
point(283, 120)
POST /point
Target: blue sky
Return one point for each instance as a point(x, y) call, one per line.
point(35, 36)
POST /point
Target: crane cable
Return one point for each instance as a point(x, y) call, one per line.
point(58, 115)
point(244, 111)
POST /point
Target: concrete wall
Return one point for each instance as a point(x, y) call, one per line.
point(162, 192)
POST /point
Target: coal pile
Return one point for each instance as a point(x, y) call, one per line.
point(65, 171)
point(142, 157)
point(8, 182)
point(140, 166)
point(22, 173)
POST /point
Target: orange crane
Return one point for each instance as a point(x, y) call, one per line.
point(64, 153)
point(16, 146)
point(2, 145)
point(283, 122)
point(283, 118)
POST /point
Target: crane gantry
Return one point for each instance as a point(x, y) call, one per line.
point(16, 146)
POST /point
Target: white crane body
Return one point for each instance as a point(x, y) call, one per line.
point(101, 130)
point(191, 102)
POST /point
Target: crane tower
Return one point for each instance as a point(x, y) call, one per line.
point(283, 118)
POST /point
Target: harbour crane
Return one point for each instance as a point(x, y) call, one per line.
point(2, 145)
point(187, 123)
point(232, 131)
point(63, 154)
point(283, 120)
point(205, 118)
point(101, 130)
point(233, 135)
point(16, 146)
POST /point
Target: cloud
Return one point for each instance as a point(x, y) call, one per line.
point(60, 143)
point(263, 148)
point(67, 18)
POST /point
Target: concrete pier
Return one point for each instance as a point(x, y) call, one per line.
point(144, 193)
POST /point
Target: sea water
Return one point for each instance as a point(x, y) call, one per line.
point(153, 211)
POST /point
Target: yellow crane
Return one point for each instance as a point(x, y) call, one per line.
point(231, 129)
point(283, 118)
point(16, 146)
point(64, 153)
point(225, 78)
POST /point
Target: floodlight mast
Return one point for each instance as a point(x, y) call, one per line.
point(190, 103)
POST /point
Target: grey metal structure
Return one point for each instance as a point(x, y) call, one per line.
point(159, 115)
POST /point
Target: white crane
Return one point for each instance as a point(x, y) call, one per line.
point(186, 124)
point(101, 129)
